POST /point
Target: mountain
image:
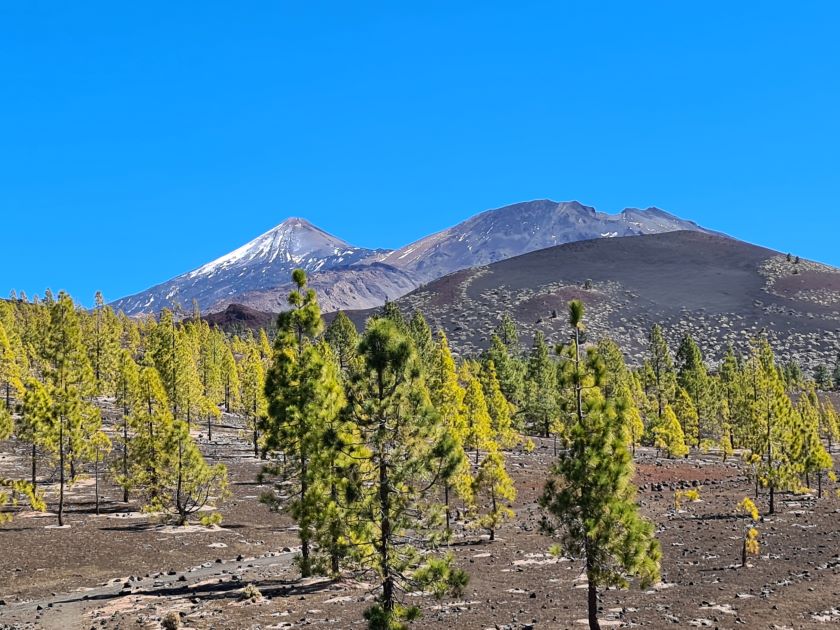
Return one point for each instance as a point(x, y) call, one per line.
point(257, 275)
point(521, 228)
point(257, 267)
point(721, 290)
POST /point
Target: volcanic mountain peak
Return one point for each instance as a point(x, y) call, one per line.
point(521, 228)
point(294, 241)
point(261, 264)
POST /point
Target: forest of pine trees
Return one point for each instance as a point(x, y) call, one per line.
point(383, 445)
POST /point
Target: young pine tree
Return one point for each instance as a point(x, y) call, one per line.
point(343, 338)
point(500, 410)
point(663, 383)
point(303, 396)
point(669, 436)
point(253, 404)
point(493, 484)
point(407, 448)
point(478, 433)
point(589, 500)
point(541, 406)
point(447, 397)
point(71, 384)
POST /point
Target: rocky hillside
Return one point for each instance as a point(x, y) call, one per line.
point(722, 290)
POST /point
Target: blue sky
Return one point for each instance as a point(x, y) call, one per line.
point(140, 140)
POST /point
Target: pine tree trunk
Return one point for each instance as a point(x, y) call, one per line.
point(446, 502)
point(744, 553)
point(385, 527)
point(305, 568)
point(819, 484)
point(492, 528)
point(182, 516)
point(34, 467)
point(592, 593)
point(334, 559)
point(125, 457)
point(209, 428)
point(61, 472)
point(96, 483)
point(256, 442)
point(592, 598)
point(772, 498)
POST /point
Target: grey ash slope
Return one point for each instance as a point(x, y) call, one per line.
point(521, 228)
point(721, 290)
point(260, 266)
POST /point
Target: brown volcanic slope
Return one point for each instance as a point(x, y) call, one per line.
point(720, 289)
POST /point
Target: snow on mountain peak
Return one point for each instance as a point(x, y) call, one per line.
point(292, 241)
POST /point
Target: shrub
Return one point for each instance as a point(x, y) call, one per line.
point(171, 621)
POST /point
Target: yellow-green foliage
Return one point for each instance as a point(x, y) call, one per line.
point(751, 541)
point(747, 506)
point(749, 545)
point(692, 495)
point(669, 436)
point(9, 492)
point(493, 485)
point(211, 519)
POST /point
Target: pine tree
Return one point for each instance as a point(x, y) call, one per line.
point(733, 398)
point(508, 334)
point(478, 433)
point(230, 379)
point(392, 312)
point(541, 407)
point(619, 383)
point(35, 423)
point(664, 379)
point(252, 394)
point(102, 334)
point(510, 370)
point(338, 466)
point(686, 413)
point(70, 384)
point(815, 460)
point(693, 378)
point(10, 373)
point(127, 398)
point(343, 338)
point(447, 397)
point(99, 445)
point(829, 422)
point(773, 435)
point(186, 482)
point(211, 345)
point(421, 335)
point(302, 397)
point(151, 424)
point(589, 500)
point(493, 482)
point(405, 446)
point(500, 410)
point(669, 436)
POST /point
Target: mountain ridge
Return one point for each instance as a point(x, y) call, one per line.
point(257, 274)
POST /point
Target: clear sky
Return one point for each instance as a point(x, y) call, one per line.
point(140, 140)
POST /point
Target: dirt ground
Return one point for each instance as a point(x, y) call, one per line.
point(122, 569)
